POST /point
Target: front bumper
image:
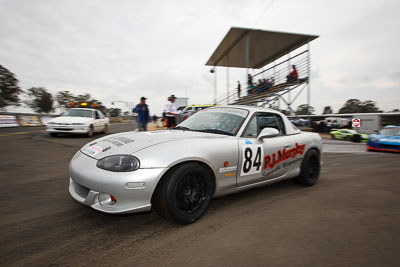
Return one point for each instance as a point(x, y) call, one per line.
point(383, 147)
point(77, 129)
point(132, 190)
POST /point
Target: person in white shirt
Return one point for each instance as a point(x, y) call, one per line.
point(171, 112)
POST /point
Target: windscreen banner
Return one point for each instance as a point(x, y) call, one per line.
point(8, 121)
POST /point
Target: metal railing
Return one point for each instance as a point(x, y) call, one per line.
point(251, 95)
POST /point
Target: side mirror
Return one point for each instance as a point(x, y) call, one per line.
point(268, 132)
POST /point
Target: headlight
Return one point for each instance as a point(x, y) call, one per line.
point(372, 139)
point(119, 163)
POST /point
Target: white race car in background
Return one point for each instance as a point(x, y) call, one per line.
point(215, 152)
point(79, 121)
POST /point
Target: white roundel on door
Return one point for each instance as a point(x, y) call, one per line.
point(252, 159)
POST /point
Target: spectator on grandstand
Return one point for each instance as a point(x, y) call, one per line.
point(292, 76)
point(272, 81)
point(264, 86)
point(238, 89)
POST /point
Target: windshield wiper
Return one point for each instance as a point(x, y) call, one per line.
point(215, 131)
point(183, 128)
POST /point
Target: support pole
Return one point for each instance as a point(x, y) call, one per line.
point(308, 84)
point(215, 85)
point(227, 81)
point(289, 93)
point(247, 63)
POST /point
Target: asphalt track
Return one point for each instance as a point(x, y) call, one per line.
point(350, 218)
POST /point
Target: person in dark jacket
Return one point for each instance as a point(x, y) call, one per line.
point(143, 114)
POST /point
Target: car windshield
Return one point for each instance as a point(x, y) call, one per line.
point(215, 120)
point(78, 113)
point(390, 131)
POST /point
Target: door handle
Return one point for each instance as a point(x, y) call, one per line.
point(287, 145)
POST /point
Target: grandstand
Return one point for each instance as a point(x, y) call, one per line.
point(273, 54)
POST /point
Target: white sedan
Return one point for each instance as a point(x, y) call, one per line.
point(79, 121)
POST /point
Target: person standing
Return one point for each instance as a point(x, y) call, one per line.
point(171, 112)
point(238, 89)
point(143, 114)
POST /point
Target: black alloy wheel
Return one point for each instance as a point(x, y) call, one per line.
point(310, 169)
point(190, 192)
point(184, 194)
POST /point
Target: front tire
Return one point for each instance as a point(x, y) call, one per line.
point(105, 131)
point(310, 169)
point(90, 131)
point(184, 195)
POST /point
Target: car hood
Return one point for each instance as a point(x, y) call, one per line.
point(68, 119)
point(130, 142)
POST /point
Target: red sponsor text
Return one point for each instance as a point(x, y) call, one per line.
point(281, 155)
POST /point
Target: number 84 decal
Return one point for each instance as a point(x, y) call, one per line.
point(251, 159)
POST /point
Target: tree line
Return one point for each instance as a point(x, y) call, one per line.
point(350, 106)
point(42, 101)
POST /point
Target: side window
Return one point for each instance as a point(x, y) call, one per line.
point(267, 120)
point(100, 114)
point(97, 115)
point(251, 130)
point(281, 124)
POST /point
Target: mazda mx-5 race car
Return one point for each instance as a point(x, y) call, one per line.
point(388, 139)
point(215, 152)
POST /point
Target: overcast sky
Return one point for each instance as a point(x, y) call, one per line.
point(122, 50)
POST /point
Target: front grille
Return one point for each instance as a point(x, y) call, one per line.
point(63, 129)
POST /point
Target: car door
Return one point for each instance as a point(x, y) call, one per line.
point(263, 159)
point(102, 120)
point(98, 124)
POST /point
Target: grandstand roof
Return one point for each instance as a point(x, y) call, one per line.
point(264, 47)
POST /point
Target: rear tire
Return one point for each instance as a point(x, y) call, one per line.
point(333, 137)
point(310, 169)
point(184, 195)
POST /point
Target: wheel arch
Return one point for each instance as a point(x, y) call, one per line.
point(177, 165)
point(316, 149)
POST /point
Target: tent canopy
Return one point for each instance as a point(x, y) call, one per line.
point(263, 47)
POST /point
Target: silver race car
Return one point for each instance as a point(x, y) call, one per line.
point(217, 151)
